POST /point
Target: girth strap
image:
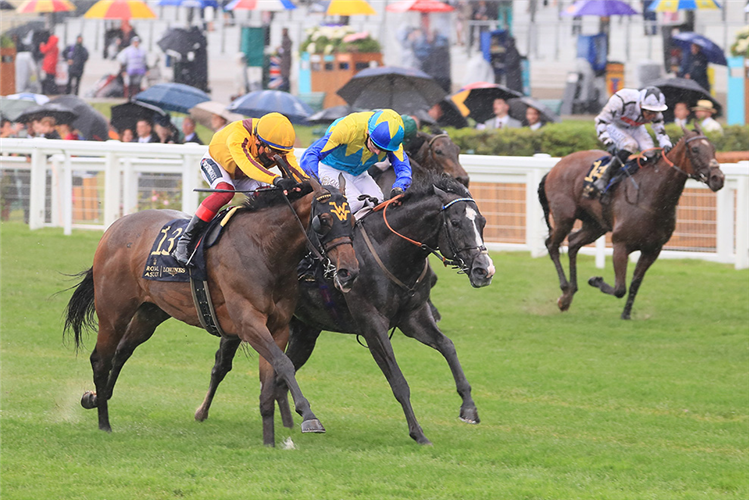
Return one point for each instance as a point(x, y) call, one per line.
point(391, 276)
point(201, 297)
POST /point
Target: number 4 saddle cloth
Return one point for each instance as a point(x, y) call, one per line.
point(161, 266)
point(597, 169)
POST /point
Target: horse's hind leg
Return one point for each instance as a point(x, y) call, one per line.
point(223, 365)
point(643, 264)
point(562, 227)
point(422, 328)
point(589, 233)
point(621, 253)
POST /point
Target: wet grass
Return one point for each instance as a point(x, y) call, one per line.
point(577, 405)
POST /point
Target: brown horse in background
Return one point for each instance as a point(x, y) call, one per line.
point(252, 280)
point(641, 212)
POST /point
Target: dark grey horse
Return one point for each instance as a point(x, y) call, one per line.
point(391, 291)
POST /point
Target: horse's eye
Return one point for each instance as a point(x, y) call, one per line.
point(695, 150)
point(455, 223)
point(438, 151)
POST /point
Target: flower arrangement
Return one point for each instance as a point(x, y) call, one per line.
point(331, 39)
point(741, 45)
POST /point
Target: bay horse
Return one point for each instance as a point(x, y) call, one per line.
point(392, 291)
point(252, 281)
point(429, 154)
point(641, 212)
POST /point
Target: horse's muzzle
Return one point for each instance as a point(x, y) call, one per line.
point(715, 178)
point(482, 271)
point(344, 279)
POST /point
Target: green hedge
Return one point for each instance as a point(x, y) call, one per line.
point(561, 139)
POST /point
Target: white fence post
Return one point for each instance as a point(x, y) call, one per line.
point(189, 183)
point(129, 187)
point(724, 223)
point(37, 187)
point(112, 187)
point(601, 252)
point(742, 223)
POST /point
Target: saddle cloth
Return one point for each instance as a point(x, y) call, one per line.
point(161, 266)
point(597, 168)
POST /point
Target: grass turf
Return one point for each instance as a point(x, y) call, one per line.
point(580, 405)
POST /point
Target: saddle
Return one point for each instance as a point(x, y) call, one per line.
point(597, 169)
point(161, 266)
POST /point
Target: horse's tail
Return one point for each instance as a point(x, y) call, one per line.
point(80, 311)
point(544, 200)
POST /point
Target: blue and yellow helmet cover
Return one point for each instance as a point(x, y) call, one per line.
point(385, 128)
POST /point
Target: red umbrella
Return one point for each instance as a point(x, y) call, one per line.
point(419, 6)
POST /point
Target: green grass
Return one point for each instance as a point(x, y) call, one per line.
point(580, 405)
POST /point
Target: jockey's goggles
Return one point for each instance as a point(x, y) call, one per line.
point(271, 151)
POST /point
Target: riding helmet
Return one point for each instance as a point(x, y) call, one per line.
point(651, 99)
point(276, 131)
point(385, 128)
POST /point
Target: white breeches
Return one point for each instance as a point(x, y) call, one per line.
point(633, 140)
point(355, 185)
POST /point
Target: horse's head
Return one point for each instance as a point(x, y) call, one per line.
point(461, 237)
point(702, 164)
point(333, 224)
point(440, 154)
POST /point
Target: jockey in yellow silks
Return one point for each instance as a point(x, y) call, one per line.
point(354, 143)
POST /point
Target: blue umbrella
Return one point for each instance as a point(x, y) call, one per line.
point(713, 53)
point(173, 97)
point(262, 102)
point(600, 8)
point(198, 4)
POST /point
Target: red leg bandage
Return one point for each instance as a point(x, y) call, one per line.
point(214, 202)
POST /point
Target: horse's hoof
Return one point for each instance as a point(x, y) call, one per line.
point(563, 302)
point(470, 416)
point(595, 281)
point(625, 315)
point(422, 440)
point(201, 414)
point(88, 400)
point(313, 425)
point(105, 428)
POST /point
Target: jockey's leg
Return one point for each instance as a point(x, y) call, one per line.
point(625, 144)
point(365, 184)
point(218, 178)
point(329, 175)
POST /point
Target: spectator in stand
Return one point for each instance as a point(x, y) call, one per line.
point(49, 64)
point(285, 52)
point(697, 67)
point(144, 129)
point(135, 64)
point(533, 117)
point(501, 118)
point(513, 67)
point(127, 135)
point(218, 122)
point(188, 128)
point(681, 114)
point(703, 113)
point(76, 55)
point(6, 128)
point(45, 128)
point(66, 132)
point(166, 132)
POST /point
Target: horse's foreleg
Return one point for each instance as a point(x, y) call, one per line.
point(621, 253)
point(589, 233)
point(268, 389)
point(382, 351)
point(223, 365)
point(643, 264)
point(422, 328)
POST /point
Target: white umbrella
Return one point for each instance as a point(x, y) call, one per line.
point(28, 96)
point(204, 111)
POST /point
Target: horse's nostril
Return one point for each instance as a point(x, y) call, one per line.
point(480, 272)
point(343, 273)
point(464, 180)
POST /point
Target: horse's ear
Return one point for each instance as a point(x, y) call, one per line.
point(439, 192)
point(316, 187)
point(685, 129)
point(342, 184)
point(698, 128)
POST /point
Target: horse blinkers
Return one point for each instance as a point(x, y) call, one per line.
point(332, 225)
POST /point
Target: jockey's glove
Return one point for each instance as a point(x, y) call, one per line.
point(395, 192)
point(284, 183)
point(667, 148)
point(611, 148)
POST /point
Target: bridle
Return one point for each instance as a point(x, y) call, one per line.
point(701, 177)
point(455, 261)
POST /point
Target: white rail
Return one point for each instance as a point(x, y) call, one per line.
point(121, 165)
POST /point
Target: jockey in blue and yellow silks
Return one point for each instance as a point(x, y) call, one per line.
point(354, 143)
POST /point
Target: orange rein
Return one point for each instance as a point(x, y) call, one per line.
point(384, 207)
point(642, 155)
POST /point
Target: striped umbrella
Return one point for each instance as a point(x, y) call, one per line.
point(267, 5)
point(120, 9)
point(419, 6)
point(38, 6)
point(674, 5)
point(350, 8)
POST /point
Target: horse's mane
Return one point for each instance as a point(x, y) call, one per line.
point(272, 197)
point(425, 187)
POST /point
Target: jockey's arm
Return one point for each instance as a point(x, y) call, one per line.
point(402, 168)
point(293, 164)
point(241, 144)
point(608, 114)
point(660, 132)
point(322, 147)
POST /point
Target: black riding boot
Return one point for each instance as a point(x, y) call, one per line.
point(613, 168)
point(182, 253)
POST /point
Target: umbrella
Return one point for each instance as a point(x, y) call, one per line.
point(262, 102)
point(12, 108)
point(419, 6)
point(713, 53)
point(329, 115)
point(6, 5)
point(91, 124)
point(476, 100)
point(126, 115)
point(39, 6)
point(519, 105)
point(120, 9)
point(674, 5)
point(405, 90)
point(450, 115)
point(182, 40)
point(682, 90)
point(61, 114)
point(173, 97)
point(28, 96)
point(265, 5)
point(24, 29)
point(349, 8)
point(600, 8)
point(204, 112)
point(193, 4)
